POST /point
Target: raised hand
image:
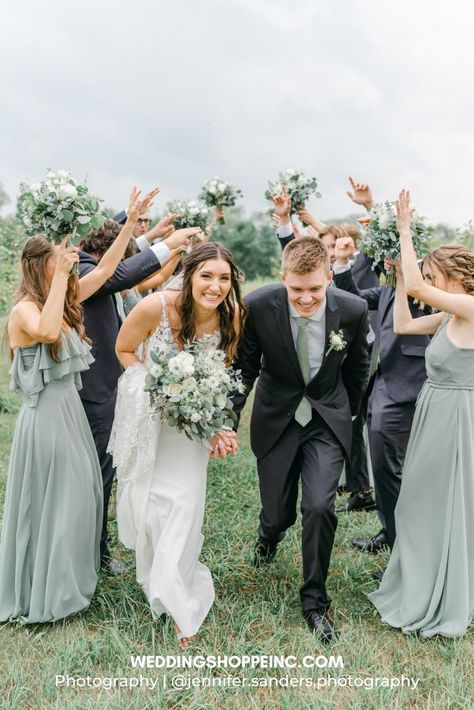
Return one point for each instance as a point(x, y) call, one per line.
point(164, 228)
point(312, 231)
point(134, 205)
point(66, 257)
point(343, 250)
point(305, 216)
point(180, 237)
point(218, 214)
point(296, 231)
point(361, 195)
point(148, 200)
point(282, 204)
point(276, 220)
point(404, 212)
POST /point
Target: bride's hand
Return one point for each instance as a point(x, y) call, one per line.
point(218, 449)
point(229, 438)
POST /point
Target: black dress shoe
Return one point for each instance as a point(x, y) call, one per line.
point(265, 552)
point(319, 623)
point(378, 574)
point(373, 544)
point(358, 500)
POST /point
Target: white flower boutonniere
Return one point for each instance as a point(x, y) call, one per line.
point(336, 341)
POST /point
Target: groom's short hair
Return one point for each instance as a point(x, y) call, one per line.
point(303, 255)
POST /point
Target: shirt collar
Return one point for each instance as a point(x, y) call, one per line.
point(319, 315)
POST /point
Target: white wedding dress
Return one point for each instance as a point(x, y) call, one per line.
point(161, 492)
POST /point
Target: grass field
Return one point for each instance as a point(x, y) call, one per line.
point(256, 612)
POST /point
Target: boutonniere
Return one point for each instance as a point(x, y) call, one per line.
point(336, 341)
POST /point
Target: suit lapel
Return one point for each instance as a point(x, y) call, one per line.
point(282, 317)
point(332, 317)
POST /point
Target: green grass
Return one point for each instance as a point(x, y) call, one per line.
point(256, 612)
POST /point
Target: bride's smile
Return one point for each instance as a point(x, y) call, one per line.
point(211, 283)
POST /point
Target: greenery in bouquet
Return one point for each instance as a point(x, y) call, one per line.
point(191, 390)
point(58, 206)
point(219, 193)
point(298, 187)
point(189, 214)
point(380, 239)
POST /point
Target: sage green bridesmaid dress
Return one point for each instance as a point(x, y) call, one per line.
point(49, 549)
point(428, 585)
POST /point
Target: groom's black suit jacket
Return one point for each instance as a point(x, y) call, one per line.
point(267, 350)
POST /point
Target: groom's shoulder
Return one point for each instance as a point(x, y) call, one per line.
point(265, 294)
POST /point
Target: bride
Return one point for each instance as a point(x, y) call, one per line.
point(161, 474)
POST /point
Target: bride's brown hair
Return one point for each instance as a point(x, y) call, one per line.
point(230, 335)
point(34, 287)
point(455, 261)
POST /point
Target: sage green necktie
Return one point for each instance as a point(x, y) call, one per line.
point(303, 412)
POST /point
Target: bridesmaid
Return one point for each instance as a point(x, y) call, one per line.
point(49, 549)
point(428, 585)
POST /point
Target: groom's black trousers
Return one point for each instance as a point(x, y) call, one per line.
point(314, 454)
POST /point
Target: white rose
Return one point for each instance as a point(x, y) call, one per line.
point(385, 220)
point(291, 171)
point(221, 401)
point(195, 417)
point(204, 210)
point(67, 190)
point(189, 384)
point(35, 188)
point(51, 175)
point(63, 173)
point(192, 204)
point(194, 210)
point(172, 390)
point(222, 186)
point(156, 370)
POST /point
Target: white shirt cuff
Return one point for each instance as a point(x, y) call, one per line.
point(161, 252)
point(285, 231)
point(340, 269)
point(142, 242)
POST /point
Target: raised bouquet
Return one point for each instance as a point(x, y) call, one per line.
point(190, 390)
point(380, 238)
point(219, 193)
point(189, 214)
point(298, 187)
point(58, 206)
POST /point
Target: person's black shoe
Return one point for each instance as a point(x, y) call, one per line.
point(378, 574)
point(358, 500)
point(319, 623)
point(373, 544)
point(113, 566)
point(265, 552)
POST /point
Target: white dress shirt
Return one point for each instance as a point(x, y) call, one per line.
point(160, 249)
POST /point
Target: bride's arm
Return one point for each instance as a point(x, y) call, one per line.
point(136, 328)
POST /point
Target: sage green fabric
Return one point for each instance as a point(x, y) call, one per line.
point(303, 414)
point(428, 585)
point(49, 549)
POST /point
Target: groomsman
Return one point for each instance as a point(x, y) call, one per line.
point(399, 364)
point(307, 343)
point(102, 322)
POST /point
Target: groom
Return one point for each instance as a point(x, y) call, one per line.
point(311, 383)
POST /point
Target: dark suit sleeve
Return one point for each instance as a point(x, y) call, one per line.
point(285, 240)
point(355, 368)
point(248, 360)
point(127, 274)
point(345, 281)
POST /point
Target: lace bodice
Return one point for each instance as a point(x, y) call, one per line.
point(162, 338)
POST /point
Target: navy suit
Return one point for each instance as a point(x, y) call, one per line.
point(400, 374)
point(99, 390)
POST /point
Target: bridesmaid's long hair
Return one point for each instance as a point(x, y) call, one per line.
point(230, 335)
point(455, 261)
point(34, 287)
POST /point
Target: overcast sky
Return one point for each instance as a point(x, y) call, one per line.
point(165, 93)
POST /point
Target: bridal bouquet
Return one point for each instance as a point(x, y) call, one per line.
point(219, 193)
point(190, 389)
point(298, 187)
point(380, 239)
point(190, 214)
